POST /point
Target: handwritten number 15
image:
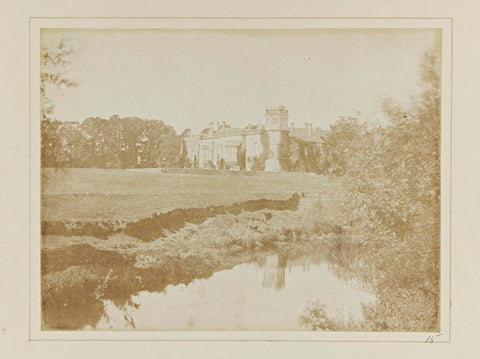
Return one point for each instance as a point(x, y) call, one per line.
point(431, 337)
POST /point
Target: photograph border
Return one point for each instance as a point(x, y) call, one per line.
point(36, 23)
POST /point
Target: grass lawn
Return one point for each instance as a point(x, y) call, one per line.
point(100, 194)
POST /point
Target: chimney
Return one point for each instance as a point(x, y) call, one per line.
point(223, 126)
point(309, 125)
point(210, 127)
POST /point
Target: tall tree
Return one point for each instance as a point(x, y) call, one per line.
point(391, 199)
point(53, 62)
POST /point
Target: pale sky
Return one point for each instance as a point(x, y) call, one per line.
point(188, 78)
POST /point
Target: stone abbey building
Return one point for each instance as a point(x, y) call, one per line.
point(263, 146)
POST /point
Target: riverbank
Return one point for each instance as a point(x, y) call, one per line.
point(81, 273)
point(160, 224)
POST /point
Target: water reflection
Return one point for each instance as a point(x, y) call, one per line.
point(240, 298)
point(274, 271)
point(254, 291)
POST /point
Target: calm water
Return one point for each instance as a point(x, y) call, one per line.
point(269, 295)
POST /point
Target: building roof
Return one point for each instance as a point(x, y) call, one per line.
point(229, 131)
point(306, 134)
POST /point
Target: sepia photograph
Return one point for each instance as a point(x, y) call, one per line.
point(242, 179)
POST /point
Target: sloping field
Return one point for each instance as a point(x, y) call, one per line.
point(99, 194)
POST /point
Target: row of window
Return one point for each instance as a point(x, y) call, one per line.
point(230, 153)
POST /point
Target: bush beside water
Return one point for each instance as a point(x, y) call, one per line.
point(390, 199)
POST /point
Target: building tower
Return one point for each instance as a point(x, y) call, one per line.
point(276, 125)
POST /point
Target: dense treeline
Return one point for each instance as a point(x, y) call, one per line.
point(128, 142)
point(391, 201)
point(132, 142)
point(96, 142)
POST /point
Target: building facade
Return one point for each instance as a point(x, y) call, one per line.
point(221, 146)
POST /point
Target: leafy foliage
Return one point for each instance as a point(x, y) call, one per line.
point(241, 156)
point(393, 172)
point(53, 62)
point(294, 154)
point(258, 162)
point(316, 318)
point(114, 143)
point(301, 156)
point(391, 177)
